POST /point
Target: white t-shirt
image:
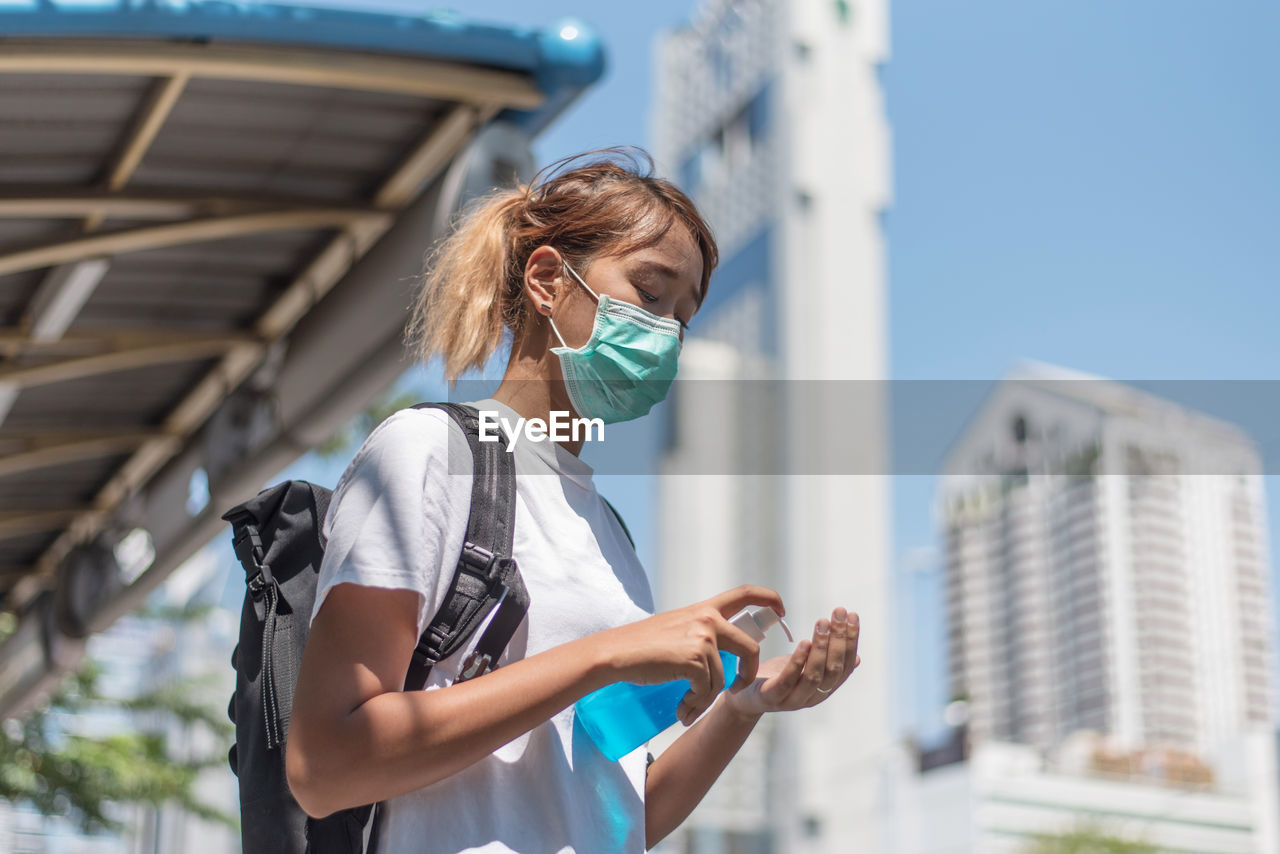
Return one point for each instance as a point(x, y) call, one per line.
point(397, 520)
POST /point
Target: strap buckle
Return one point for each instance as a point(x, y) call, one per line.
point(249, 551)
point(482, 560)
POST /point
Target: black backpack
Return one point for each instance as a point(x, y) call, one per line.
point(278, 540)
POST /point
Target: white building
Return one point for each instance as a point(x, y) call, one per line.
point(1006, 796)
point(770, 114)
point(1107, 569)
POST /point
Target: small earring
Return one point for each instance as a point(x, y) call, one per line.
point(546, 308)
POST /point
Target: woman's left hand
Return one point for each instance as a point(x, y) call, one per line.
point(806, 677)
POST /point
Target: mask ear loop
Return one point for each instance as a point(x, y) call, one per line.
point(553, 325)
point(581, 280)
point(547, 306)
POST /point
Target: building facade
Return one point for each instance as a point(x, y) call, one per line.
point(1107, 569)
point(1006, 797)
point(770, 114)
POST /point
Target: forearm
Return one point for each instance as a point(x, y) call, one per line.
point(397, 742)
point(682, 775)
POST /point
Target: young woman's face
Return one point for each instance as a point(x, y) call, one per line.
point(664, 279)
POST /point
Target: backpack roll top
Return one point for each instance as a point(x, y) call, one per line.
point(276, 536)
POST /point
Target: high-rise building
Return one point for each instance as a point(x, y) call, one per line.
point(1107, 569)
point(770, 114)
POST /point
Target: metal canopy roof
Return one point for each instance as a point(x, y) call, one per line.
point(197, 196)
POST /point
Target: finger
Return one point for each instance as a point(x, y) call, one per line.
point(851, 648)
point(705, 694)
point(775, 690)
point(833, 672)
point(732, 601)
point(685, 708)
point(715, 669)
point(806, 690)
point(732, 639)
point(695, 700)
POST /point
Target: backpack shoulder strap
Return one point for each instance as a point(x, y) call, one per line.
point(486, 575)
point(621, 521)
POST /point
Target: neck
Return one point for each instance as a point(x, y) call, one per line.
point(533, 385)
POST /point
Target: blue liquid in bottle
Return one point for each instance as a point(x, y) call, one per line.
point(622, 716)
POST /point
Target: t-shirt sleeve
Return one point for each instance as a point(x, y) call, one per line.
point(399, 513)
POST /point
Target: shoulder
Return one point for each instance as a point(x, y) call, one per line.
point(409, 450)
point(407, 438)
point(420, 429)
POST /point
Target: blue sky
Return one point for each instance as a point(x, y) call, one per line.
point(1091, 184)
point(1088, 183)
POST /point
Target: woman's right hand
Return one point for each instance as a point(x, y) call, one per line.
point(684, 643)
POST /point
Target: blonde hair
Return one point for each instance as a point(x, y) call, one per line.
point(472, 288)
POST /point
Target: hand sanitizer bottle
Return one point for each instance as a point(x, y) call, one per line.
point(622, 716)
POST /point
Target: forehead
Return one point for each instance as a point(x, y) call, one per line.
point(676, 250)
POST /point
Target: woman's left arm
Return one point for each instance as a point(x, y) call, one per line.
point(681, 776)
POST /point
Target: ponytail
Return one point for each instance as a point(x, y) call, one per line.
point(468, 295)
point(473, 287)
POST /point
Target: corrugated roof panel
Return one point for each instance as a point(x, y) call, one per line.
point(199, 299)
point(61, 100)
point(251, 254)
point(275, 138)
point(125, 400)
point(23, 551)
point(57, 487)
point(270, 107)
point(253, 175)
point(221, 285)
point(65, 126)
point(16, 291)
point(15, 233)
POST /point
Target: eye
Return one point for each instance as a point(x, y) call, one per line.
point(647, 297)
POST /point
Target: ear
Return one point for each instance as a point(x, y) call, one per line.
point(543, 276)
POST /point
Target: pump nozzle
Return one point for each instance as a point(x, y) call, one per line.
point(756, 621)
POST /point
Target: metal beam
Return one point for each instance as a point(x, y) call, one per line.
point(431, 155)
point(61, 296)
point(175, 234)
point(124, 359)
point(64, 453)
point(275, 64)
point(164, 95)
point(31, 440)
point(62, 203)
point(8, 395)
point(108, 340)
point(427, 160)
point(14, 525)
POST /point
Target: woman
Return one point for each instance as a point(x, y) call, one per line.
point(576, 268)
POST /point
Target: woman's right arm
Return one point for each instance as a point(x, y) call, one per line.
point(355, 737)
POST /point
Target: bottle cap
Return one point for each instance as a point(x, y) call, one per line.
point(756, 621)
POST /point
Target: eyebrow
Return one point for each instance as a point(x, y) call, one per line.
point(670, 273)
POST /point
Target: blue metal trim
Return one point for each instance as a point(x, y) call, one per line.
point(562, 60)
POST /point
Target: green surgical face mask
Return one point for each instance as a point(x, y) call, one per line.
point(626, 366)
